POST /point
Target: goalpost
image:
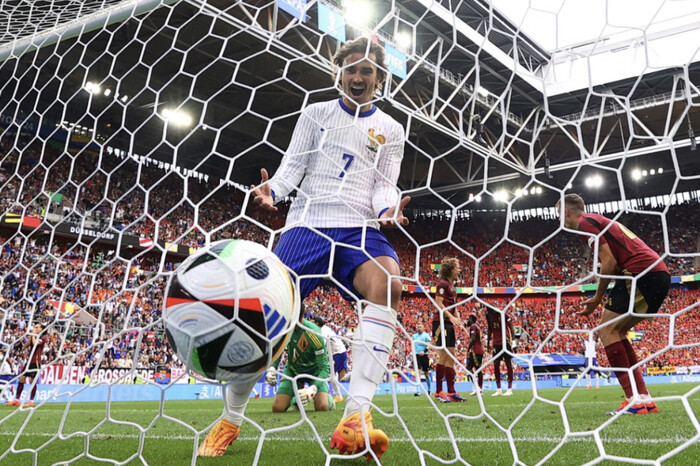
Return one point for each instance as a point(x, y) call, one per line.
point(130, 131)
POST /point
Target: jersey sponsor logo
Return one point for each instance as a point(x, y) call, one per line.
point(375, 140)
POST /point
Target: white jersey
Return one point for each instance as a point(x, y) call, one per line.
point(347, 164)
point(5, 368)
point(590, 350)
point(337, 345)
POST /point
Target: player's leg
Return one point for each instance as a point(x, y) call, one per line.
point(227, 429)
point(509, 370)
point(587, 372)
point(340, 365)
point(442, 357)
point(20, 388)
point(322, 400)
point(498, 352)
point(372, 345)
point(480, 376)
point(281, 402)
point(651, 291)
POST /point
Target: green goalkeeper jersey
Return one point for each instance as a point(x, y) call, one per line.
point(306, 352)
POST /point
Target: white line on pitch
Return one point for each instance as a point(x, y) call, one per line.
point(536, 439)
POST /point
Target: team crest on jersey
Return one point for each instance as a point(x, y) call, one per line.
point(375, 140)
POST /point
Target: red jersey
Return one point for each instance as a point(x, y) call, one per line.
point(447, 292)
point(494, 320)
point(475, 334)
point(35, 356)
point(631, 253)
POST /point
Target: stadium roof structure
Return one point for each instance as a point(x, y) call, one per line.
point(490, 104)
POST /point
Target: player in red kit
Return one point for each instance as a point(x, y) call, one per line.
point(621, 253)
point(444, 329)
point(35, 343)
point(501, 353)
point(475, 354)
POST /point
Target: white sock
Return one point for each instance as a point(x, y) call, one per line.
point(235, 401)
point(371, 347)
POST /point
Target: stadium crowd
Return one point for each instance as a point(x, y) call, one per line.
point(114, 296)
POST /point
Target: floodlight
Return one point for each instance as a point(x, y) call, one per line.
point(177, 117)
point(636, 174)
point(357, 12)
point(403, 39)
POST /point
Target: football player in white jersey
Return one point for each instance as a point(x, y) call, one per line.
point(339, 353)
point(343, 161)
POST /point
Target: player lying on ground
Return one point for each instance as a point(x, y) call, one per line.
point(621, 253)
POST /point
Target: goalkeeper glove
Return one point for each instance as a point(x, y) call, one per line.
point(307, 394)
point(271, 376)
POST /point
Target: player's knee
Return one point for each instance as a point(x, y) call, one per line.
point(279, 406)
point(396, 289)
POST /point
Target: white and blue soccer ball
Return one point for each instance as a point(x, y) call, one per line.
point(229, 310)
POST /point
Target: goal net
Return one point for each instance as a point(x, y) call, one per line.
point(131, 131)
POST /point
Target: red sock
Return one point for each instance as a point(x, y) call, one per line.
point(439, 375)
point(33, 394)
point(632, 358)
point(497, 374)
point(509, 368)
point(617, 357)
point(450, 376)
point(20, 388)
point(481, 379)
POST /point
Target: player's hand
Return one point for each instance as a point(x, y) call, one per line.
point(271, 376)
point(457, 322)
point(307, 394)
point(263, 194)
point(589, 306)
point(389, 215)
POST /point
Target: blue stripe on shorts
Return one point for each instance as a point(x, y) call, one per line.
point(307, 252)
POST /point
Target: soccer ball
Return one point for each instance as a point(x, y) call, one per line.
point(230, 310)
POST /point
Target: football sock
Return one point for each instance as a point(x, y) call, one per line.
point(20, 389)
point(450, 376)
point(617, 357)
point(481, 379)
point(497, 374)
point(237, 397)
point(509, 368)
point(33, 394)
point(439, 375)
point(371, 347)
point(638, 377)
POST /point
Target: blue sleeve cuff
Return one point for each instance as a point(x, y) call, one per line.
point(382, 212)
point(274, 198)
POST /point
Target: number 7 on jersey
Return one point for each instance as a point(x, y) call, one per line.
point(350, 159)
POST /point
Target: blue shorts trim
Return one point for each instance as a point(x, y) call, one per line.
point(340, 361)
point(308, 252)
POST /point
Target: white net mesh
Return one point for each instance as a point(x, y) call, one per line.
point(131, 131)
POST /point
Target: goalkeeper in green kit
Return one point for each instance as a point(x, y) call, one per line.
point(306, 355)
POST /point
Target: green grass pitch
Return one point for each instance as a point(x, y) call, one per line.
point(466, 432)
